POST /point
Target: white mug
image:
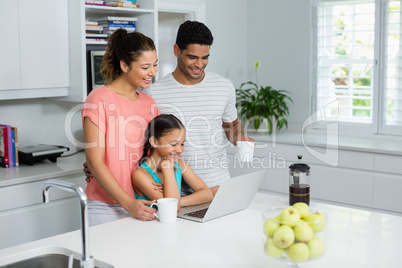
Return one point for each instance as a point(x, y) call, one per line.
point(245, 150)
point(167, 210)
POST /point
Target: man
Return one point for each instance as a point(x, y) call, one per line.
point(203, 101)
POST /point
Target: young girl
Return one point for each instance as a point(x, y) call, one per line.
point(161, 163)
point(115, 117)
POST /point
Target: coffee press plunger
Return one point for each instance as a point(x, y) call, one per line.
point(299, 183)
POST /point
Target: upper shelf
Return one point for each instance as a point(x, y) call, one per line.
point(113, 11)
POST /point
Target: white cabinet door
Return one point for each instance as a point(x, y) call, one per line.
point(341, 185)
point(44, 37)
point(10, 77)
point(387, 192)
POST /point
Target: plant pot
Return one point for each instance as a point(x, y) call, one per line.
point(248, 125)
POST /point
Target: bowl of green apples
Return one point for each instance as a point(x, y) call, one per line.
point(294, 234)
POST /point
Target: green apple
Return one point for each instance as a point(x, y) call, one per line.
point(290, 216)
point(284, 236)
point(298, 252)
point(271, 249)
point(303, 209)
point(303, 232)
point(270, 226)
point(318, 221)
point(316, 246)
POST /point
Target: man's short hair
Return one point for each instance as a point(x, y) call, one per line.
point(193, 32)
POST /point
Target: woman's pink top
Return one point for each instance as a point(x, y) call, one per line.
point(124, 123)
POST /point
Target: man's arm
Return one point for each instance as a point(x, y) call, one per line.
point(234, 131)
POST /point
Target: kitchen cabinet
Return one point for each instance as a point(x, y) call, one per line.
point(387, 192)
point(79, 13)
point(10, 75)
point(23, 215)
point(363, 177)
point(35, 50)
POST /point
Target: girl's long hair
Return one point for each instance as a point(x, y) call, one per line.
point(160, 126)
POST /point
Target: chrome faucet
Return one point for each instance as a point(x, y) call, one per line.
point(87, 260)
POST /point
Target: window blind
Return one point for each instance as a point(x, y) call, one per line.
point(345, 47)
point(392, 75)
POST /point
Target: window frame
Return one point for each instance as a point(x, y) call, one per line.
point(378, 121)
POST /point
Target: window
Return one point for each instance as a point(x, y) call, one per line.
point(357, 74)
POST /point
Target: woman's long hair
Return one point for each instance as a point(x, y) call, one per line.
point(126, 47)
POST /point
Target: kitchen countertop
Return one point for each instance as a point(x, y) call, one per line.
point(64, 166)
point(355, 238)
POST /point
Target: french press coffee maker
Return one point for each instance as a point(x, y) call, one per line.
point(299, 183)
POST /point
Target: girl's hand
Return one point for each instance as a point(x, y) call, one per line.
point(158, 187)
point(167, 164)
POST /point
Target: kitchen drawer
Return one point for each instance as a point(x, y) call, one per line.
point(388, 164)
point(387, 192)
point(341, 185)
point(26, 194)
point(330, 157)
point(39, 221)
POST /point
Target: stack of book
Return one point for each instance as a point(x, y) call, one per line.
point(122, 3)
point(95, 2)
point(8, 146)
point(94, 33)
point(112, 23)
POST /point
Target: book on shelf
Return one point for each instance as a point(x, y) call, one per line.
point(117, 25)
point(91, 23)
point(111, 31)
point(119, 3)
point(106, 22)
point(4, 154)
point(94, 28)
point(94, 32)
point(117, 18)
point(94, 41)
point(95, 35)
point(95, 2)
point(15, 146)
point(8, 146)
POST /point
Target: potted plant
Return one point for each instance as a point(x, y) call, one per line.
point(259, 103)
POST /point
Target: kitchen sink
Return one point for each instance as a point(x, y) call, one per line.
point(46, 258)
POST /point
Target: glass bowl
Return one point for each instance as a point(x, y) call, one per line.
point(294, 234)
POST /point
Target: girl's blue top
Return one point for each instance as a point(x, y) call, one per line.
point(178, 176)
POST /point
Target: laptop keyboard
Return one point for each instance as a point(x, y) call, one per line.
point(197, 214)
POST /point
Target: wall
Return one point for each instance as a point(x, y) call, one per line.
point(228, 22)
point(279, 35)
point(41, 121)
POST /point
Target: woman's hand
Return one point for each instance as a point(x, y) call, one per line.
point(139, 210)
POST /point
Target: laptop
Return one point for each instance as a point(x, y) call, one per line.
point(234, 194)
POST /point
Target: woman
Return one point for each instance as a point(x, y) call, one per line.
point(115, 117)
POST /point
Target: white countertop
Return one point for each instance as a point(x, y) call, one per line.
point(42, 170)
point(355, 238)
